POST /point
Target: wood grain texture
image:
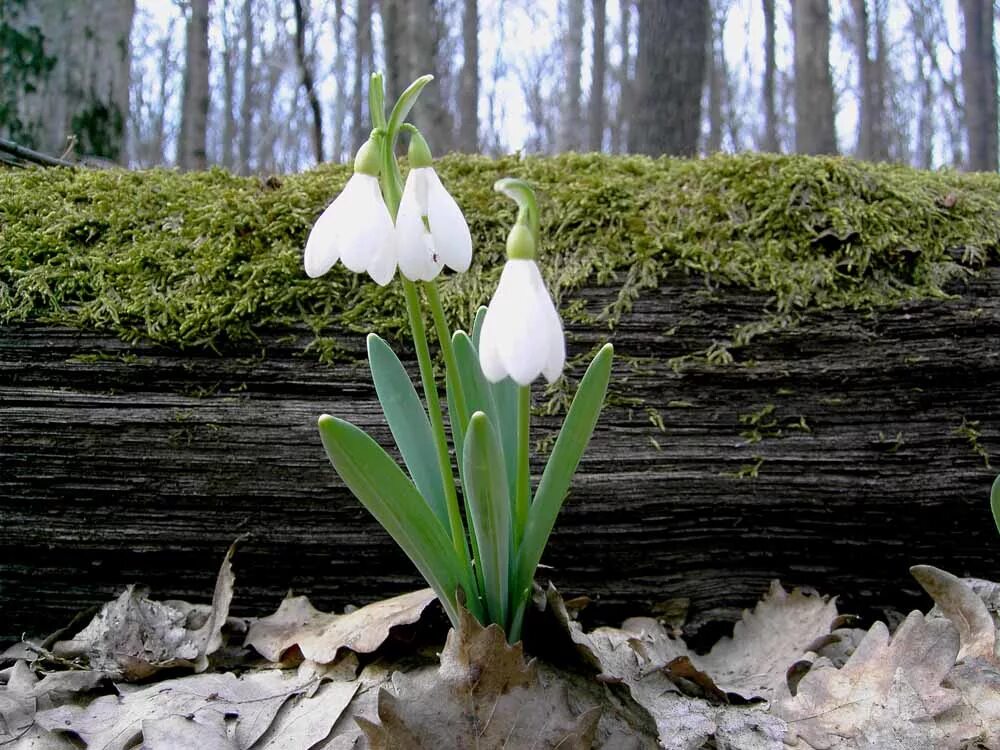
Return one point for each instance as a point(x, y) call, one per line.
point(144, 465)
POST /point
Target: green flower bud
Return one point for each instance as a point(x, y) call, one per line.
point(368, 159)
point(521, 243)
point(419, 153)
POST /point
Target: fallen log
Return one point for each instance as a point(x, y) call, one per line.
point(834, 453)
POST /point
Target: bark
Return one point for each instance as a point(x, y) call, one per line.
point(979, 84)
point(69, 86)
point(670, 73)
point(229, 60)
point(923, 52)
point(468, 96)
point(814, 114)
point(426, 35)
point(340, 75)
point(247, 98)
point(598, 71)
point(872, 141)
point(619, 127)
point(122, 469)
point(362, 51)
point(717, 80)
point(570, 117)
point(191, 146)
point(396, 45)
point(770, 141)
point(308, 81)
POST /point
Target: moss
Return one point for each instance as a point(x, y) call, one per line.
point(208, 258)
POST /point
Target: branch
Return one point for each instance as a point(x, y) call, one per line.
point(36, 157)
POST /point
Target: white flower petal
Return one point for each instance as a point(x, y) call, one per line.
point(556, 359)
point(382, 263)
point(414, 245)
point(323, 245)
point(489, 356)
point(452, 239)
point(366, 226)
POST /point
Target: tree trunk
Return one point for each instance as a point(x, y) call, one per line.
point(247, 103)
point(468, 97)
point(570, 118)
point(340, 75)
point(191, 147)
point(426, 36)
point(229, 60)
point(619, 127)
point(814, 115)
point(670, 73)
point(596, 107)
point(872, 144)
point(717, 82)
point(362, 51)
point(396, 45)
point(770, 141)
point(979, 82)
point(69, 77)
point(308, 82)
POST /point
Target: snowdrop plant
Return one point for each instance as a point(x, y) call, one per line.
point(480, 552)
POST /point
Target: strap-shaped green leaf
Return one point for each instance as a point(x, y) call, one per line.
point(408, 422)
point(489, 504)
point(387, 493)
point(566, 454)
point(995, 502)
point(477, 326)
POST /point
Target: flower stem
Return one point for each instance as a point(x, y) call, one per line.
point(523, 487)
point(450, 363)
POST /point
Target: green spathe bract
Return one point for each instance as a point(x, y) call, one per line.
point(485, 560)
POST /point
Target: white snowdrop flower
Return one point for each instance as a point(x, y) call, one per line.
point(522, 334)
point(431, 231)
point(356, 228)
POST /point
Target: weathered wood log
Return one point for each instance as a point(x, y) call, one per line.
point(834, 453)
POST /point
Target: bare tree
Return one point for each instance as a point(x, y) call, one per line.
point(598, 71)
point(979, 84)
point(69, 79)
point(340, 75)
point(623, 78)
point(468, 97)
point(770, 140)
point(362, 54)
point(191, 149)
point(570, 119)
point(814, 115)
point(872, 142)
point(230, 45)
point(718, 76)
point(308, 82)
point(247, 96)
point(670, 72)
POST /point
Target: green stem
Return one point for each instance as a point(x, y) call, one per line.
point(458, 536)
point(450, 363)
point(523, 487)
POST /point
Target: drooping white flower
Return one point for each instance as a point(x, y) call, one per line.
point(431, 231)
point(356, 228)
point(522, 334)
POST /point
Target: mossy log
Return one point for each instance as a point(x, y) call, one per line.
point(833, 454)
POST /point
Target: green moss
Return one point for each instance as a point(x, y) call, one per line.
point(208, 258)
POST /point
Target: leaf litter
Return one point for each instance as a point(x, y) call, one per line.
point(795, 674)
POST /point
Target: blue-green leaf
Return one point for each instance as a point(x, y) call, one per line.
point(489, 505)
point(477, 326)
point(995, 502)
point(558, 473)
point(387, 493)
point(409, 424)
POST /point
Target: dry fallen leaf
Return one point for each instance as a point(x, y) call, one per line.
point(889, 692)
point(114, 722)
point(483, 695)
point(320, 636)
point(967, 612)
point(19, 700)
point(134, 636)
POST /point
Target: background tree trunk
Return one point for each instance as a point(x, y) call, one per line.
point(670, 72)
point(598, 71)
point(468, 97)
point(247, 98)
point(770, 141)
point(425, 28)
point(872, 144)
point(308, 82)
point(362, 53)
point(72, 78)
point(814, 114)
point(979, 83)
point(340, 75)
point(619, 125)
point(229, 61)
point(191, 147)
point(717, 76)
point(570, 118)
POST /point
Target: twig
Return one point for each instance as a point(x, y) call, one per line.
point(30, 155)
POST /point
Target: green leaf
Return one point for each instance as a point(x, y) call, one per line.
point(995, 502)
point(566, 454)
point(477, 326)
point(387, 493)
point(406, 101)
point(489, 505)
point(409, 424)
